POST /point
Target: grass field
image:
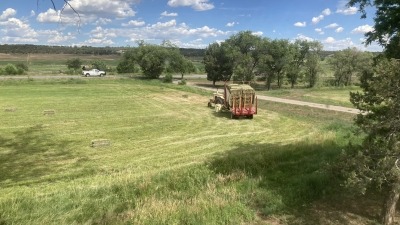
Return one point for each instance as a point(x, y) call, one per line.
point(171, 159)
point(53, 64)
point(325, 95)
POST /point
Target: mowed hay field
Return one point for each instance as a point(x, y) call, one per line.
point(170, 159)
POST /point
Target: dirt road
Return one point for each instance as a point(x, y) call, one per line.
point(293, 102)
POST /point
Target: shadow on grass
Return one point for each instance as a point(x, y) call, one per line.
point(30, 154)
point(290, 179)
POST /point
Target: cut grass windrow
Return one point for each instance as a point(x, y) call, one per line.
point(171, 159)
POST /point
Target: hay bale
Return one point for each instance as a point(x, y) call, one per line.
point(100, 143)
point(49, 112)
point(10, 109)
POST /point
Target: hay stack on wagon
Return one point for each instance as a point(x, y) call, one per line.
point(240, 95)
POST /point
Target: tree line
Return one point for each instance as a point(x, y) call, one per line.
point(81, 50)
point(154, 60)
point(245, 57)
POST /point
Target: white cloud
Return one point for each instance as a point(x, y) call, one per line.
point(317, 19)
point(134, 23)
point(348, 11)
point(326, 12)
point(362, 29)
point(165, 13)
point(8, 13)
point(15, 31)
point(319, 31)
point(50, 16)
point(342, 8)
point(100, 36)
point(231, 24)
point(198, 5)
point(329, 40)
point(89, 11)
point(339, 30)
point(103, 8)
point(332, 25)
point(197, 43)
point(303, 38)
point(332, 44)
point(257, 33)
point(56, 37)
point(16, 40)
point(33, 13)
point(170, 23)
point(300, 24)
point(170, 30)
point(103, 21)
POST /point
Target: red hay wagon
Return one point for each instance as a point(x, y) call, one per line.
point(240, 100)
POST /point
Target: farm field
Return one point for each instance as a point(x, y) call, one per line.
point(170, 158)
point(52, 64)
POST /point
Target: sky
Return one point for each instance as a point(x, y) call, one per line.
point(186, 23)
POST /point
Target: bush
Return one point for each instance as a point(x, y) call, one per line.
point(22, 66)
point(168, 78)
point(11, 69)
point(74, 63)
point(182, 82)
point(100, 65)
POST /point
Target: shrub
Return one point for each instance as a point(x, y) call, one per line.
point(126, 67)
point(74, 63)
point(182, 82)
point(22, 66)
point(168, 78)
point(100, 65)
point(11, 69)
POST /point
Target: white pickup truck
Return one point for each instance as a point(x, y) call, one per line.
point(93, 72)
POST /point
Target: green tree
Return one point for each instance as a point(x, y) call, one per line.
point(247, 49)
point(74, 64)
point(178, 63)
point(297, 53)
point(128, 62)
point(347, 63)
point(375, 163)
point(274, 62)
point(312, 63)
point(219, 62)
point(151, 59)
point(386, 27)
point(99, 64)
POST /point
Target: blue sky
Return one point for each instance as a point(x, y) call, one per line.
point(187, 23)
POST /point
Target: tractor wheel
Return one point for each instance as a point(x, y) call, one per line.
point(250, 117)
point(233, 116)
